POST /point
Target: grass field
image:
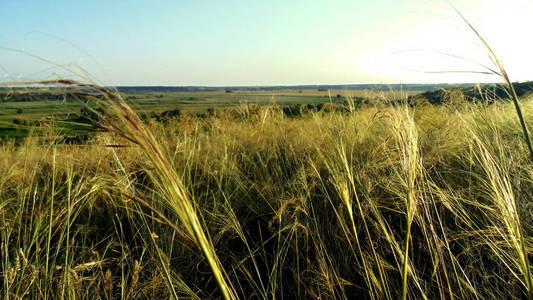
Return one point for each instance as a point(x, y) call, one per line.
point(229, 193)
point(429, 202)
point(156, 103)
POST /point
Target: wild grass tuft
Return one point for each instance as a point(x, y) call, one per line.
point(380, 202)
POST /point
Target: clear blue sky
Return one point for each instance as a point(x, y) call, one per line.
point(257, 42)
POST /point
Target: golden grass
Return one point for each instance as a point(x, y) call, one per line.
point(382, 202)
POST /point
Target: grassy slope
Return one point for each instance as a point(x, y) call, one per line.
point(187, 102)
point(295, 207)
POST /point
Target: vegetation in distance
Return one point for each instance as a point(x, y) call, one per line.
point(23, 108)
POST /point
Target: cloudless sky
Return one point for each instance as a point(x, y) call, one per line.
point(182, 42)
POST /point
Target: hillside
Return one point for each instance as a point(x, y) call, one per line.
point(489, 93)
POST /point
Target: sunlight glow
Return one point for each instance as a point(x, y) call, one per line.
point(243, 43)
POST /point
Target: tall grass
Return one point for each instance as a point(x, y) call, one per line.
point(380, 202)
point(120, 119)
point(496, 60)
point(497, 178)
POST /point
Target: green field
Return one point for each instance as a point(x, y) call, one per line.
point(64, 113)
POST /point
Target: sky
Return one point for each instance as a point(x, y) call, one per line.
point(222, 43)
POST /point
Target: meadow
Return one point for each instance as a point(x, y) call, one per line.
point(63, 111)
point(352, 201)
point(18, 115)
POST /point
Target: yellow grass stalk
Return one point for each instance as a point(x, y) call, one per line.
point(123, 121)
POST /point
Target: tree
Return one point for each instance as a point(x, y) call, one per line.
point(168, 114)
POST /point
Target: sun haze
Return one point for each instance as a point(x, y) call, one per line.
point(218, 43)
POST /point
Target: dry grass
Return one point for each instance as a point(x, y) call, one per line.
point(383, 202)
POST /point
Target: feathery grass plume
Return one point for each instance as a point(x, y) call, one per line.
point(409, 175)
point(503, 74)
point(497, 180)
point(505, 228)
point(345, 183)
point(123, 121)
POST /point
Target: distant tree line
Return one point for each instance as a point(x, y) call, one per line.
point(228, 89)
point(488, 93)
